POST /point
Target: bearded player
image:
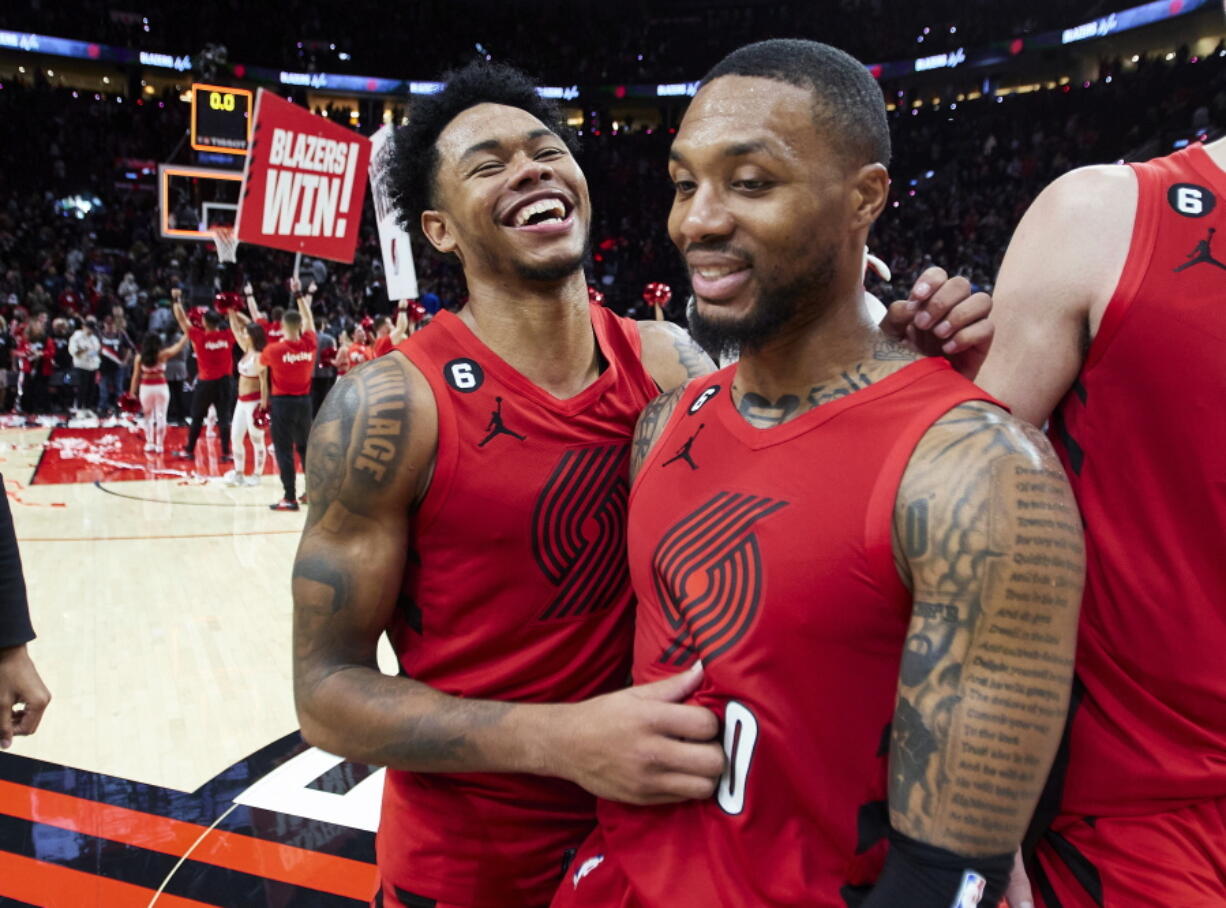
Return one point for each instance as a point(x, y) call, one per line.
point(468, 497)
point(1114, 314)
point(872, 561)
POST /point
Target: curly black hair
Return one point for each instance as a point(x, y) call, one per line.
point(848, 101)
point(414, 161)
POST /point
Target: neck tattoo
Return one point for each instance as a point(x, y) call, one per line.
point(762, 413)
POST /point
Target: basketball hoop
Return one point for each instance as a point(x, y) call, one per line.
point(226, 243)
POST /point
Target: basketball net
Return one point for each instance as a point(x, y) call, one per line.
point(226, 243)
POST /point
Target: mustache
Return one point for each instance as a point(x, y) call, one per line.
point(717, 247)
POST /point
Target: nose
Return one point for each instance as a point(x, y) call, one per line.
point(529, 171)
point(704, 216)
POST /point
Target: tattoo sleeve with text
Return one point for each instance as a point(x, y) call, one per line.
point(988, 535)
point(347, 572)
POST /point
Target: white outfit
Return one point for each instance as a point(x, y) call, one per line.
point(154, 399)
point(86, 350)
point(243, 423)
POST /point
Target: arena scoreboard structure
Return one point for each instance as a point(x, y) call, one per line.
point(221, 118)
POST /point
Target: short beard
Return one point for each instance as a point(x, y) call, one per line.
point(775, 309)
point(551, 274)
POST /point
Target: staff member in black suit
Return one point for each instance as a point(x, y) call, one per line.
point(23, 696)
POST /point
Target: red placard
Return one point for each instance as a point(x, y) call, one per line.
point(304, 182)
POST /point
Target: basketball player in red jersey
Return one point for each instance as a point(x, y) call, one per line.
point(1113, 302)
point(468, 496)
point(805, 519)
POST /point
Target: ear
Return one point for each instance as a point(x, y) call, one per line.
point(870, 192)
point(435, 226)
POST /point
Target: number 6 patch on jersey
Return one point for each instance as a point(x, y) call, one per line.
point(465, 375)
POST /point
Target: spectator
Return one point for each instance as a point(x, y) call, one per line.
point(85, 349)
point(116, 355)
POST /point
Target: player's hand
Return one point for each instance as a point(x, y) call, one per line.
point(642, 745)
point(312, 288)
point(295, 285)
point(176, 295)
point(248, 290)
point(1018, 893)
point(942, 317)
point(23, 696)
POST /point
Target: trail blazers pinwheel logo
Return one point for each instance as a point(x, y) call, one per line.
point(579, 530)
point(708, 576)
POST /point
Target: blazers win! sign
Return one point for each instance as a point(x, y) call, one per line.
point(304, 182)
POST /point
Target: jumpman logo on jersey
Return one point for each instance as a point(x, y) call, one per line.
point(497, 426)
point(684, 452)
point(1202, 254)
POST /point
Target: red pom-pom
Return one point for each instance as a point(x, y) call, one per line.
point(368, 323)
point(327, 357)
point(416, 312)
point(224, 302)
point(260, 418)
point(594, 295)
point(128, 403)
point(195, 315)
point(657, 294)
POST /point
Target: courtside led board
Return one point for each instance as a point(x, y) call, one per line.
point(221, 118)
point(304, 182)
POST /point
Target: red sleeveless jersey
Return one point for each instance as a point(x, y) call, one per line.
point(768, 555)
point(1142, 435)
point(516, 589)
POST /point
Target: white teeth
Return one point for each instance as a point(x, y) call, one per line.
point(553, 206)
point(712, 274)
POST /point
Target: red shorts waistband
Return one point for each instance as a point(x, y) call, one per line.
point(254, 395)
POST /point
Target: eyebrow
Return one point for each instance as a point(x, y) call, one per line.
point(735, 150)
point(494, 144)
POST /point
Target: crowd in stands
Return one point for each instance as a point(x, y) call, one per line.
point(962, 176)
point(561, 41)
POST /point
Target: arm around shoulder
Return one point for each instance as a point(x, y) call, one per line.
point(671, 356)
point(368, 458)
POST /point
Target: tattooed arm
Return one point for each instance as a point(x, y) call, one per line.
point(988, 538)
point(368, 463)
point(671, 356)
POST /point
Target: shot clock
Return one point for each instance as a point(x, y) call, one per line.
point(221, 118)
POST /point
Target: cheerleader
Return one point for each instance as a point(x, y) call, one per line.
point(149, 375)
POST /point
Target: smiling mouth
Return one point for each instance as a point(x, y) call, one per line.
point(714, 274)
point(719, 283)
point(543, 211)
